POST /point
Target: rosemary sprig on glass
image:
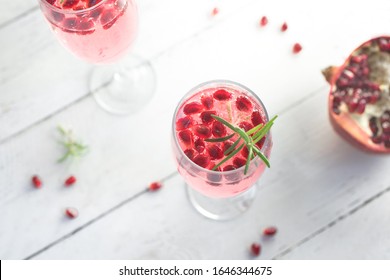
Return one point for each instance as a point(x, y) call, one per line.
point(246, 139)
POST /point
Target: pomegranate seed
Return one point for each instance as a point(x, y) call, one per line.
point(376, 139)
point(270, 231)
point(184, 123)
point(108, 18)
point(186, 136)
point(190, 153)
point(70, 3)
point(361, 106)
point(256, 118)
point(215, 11)
point(70, 24)
point(226, 145)
point(245, 152)
point(218, 129)
point(58, 17)
point(71, 212)
point(352, 105)
point(203, 131)
point(255, 249)
point(373, 126)
point(263, 21)
point(386, 127)
point(215, 152)
point(244, 104)
point(199, 145)
point(260, 143)
point(202, 160)
point(214, 178)
point(238, 162)
point(36, 182)
point(222, 95)
point(51, 2)
point(207, 101)
point(155, 186)
point(70, 181)
point(231, 177)
point(86, 26)
point(284, 27)
point(297, 48)
point(245, 125)
point(192, 108)
point(206, 117)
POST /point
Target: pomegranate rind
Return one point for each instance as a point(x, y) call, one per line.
point(343, 124)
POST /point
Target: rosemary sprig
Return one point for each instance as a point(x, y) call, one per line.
point(250, 138)
point(72, 147)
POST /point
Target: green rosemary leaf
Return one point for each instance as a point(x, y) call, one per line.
point(253, 130)
point(224, 122)
point(220, 139)
point(263, 157)
point(242, 134)
point(229, 156)
point(248, 160)
point(263, 131)
point(232, 146)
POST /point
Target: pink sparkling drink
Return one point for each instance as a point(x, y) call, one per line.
point(98, 31)
point(193, 124)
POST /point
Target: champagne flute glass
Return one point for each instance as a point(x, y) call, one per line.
point(227, 192)
point(101, 32)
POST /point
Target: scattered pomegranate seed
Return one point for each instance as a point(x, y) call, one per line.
point(270, 231)
point(155, 186)
point(263, 21)
point(71, 212)
point(226, 145)
point(215, 11)
point(222, 95)
point(255, 249)
point(245, 152)
point(192, 108)
point(284, 27)
point(207, 101)
point(36, 182)
point(70, 181)
point(297, 48)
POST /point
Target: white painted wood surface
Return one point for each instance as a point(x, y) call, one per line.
point(324, 196)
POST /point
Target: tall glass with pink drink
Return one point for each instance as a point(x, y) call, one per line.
point(226, 191)
point(101, 32)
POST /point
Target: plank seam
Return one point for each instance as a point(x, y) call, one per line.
point(331, 224)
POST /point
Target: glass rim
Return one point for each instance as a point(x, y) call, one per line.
point(72, 12)
point(227, 82)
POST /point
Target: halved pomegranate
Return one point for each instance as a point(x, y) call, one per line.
point(359, 99)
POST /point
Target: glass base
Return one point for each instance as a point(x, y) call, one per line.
point(123, 88)
point(222, 209)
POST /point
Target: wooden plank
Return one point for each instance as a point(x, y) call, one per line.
point(121, 162)
point(315, 178)
point(359, 235)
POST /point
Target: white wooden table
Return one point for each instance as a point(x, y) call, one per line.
point(328, 200)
